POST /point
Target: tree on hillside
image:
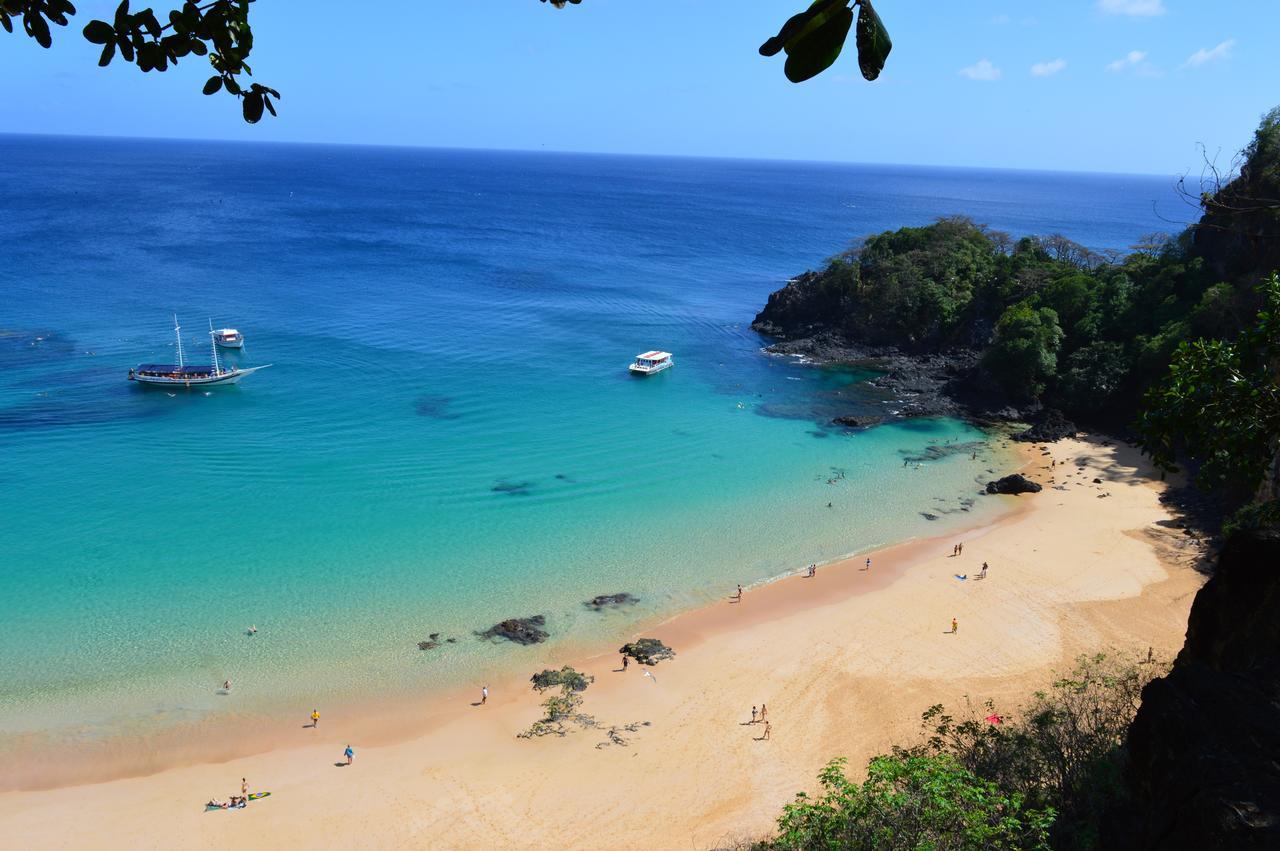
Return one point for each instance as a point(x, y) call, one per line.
point(1219, 402)
point(220, 30)
point(1024, 355)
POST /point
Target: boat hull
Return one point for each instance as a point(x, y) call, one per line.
point(230, 344)
point(214, 380)
point(221, 380)
point(638, 370)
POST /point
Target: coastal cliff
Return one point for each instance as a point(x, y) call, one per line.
point(1202, 749)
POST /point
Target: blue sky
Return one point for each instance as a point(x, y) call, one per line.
point(1092, 85)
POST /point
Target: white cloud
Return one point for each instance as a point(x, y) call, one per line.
point(1133, 8)
point(1046, 69)
point(981, 70)
point(1202, 56)
point(1132, 59)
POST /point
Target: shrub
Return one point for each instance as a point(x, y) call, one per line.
point(910, 801)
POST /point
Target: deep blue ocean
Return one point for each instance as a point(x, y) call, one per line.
point(447, 435)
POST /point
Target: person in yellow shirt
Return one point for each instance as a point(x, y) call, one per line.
point(315, 718)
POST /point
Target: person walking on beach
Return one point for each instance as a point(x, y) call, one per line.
point(625, 661)
point(768, 731)
point(753, 715)
point(244, 788)
point(764, 713)
point(868, 567)
point(349, 754)
point(738, 596)
point(983, 574)
point(484, 695)
point(315, 718)
point(960, 548)
point(955, 626)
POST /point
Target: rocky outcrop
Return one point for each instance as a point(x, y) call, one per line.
point(1048, 427)
point(611, 601)
point(518, 630)
point(647, 651)
point(800, 309)
point(1203, 771)
point(808, 324)
point(851, 421)
point(1015, 483)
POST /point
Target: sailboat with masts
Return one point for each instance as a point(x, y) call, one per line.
point(181, 375)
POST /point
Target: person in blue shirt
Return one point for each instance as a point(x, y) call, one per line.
point(349, 754)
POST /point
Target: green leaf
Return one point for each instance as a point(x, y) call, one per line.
point(99, 32)
point(812, 50)
point(213, 84)
point(37, 28)
point(873, 41)
point(252, 108)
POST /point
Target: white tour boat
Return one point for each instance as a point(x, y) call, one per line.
point(180, 375)
point(229, 338)
point(651, 362)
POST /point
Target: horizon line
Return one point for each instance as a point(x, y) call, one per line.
point(559, 152)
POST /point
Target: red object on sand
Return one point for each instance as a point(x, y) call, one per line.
point(994, 719)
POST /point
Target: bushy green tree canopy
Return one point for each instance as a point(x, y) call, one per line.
point(1220, 401)
point(1025, 353)
point(910, 801)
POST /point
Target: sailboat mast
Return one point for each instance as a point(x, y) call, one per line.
point(177, 332)
point(213, 345)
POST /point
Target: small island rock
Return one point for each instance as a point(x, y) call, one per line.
point(518, 630)
point(611, 601)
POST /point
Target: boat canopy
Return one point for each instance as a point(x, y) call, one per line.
point(227, 332)
point(654, 356)
point(173, 368)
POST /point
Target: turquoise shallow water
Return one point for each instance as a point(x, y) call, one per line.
point(447, 436)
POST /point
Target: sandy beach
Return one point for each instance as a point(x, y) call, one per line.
point(845, 662)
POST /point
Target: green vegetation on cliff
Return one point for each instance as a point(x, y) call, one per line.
point(1040, 778)
point(1060, 325)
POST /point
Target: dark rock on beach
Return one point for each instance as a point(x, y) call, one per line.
point(1013, 484)
point(1048, 427)
point(647, 651)
point(518, 630)
point(611, 601)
